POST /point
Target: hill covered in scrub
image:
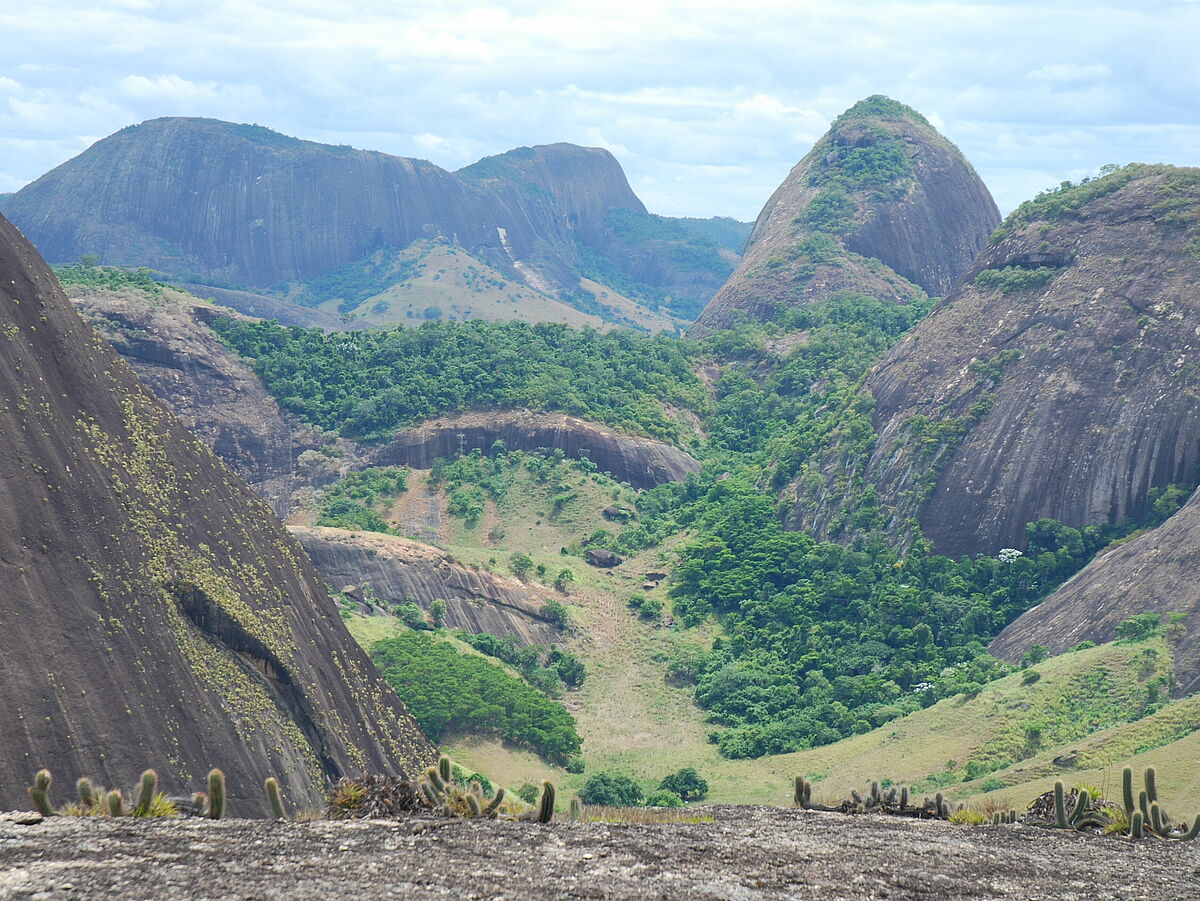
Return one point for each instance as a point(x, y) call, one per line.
point(184, 626)
point(882, 205)
point(1056, 381)
point(241, 206)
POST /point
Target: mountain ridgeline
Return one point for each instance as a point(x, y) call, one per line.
point(243, 206)
point(882, 205)
point(155, 612)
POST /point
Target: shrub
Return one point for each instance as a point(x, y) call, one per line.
point(575, 765)
point(663, 798)
point(686, 783)
point(607, 790)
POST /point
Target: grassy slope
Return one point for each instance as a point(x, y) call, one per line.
point(633, 722)
point(458, 286)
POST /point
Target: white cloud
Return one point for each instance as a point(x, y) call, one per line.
point(707, 104)
point(1059, 72)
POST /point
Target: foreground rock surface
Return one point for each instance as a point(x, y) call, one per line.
point(748, 852)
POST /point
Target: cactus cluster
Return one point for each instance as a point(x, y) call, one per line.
point(893, 801)
point(150, 802)
point(1148, 817)
point(1084, 814)
point(1004, 817)
point(448, 798)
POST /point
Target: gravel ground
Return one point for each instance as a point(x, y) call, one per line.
point(746, 853)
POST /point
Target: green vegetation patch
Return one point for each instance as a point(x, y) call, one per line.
point(1011, 279)
point(88, 271)
point(350, 503)
point(367, 384)
point(452, 694)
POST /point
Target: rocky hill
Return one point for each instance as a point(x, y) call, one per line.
point(183, 626)
point(882, 205)
point(642, 462)
point(399, 570)
point(1057, 381)
point(225, 204)
point(1153, 573)
point(166, 340)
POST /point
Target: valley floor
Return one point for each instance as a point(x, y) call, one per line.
point(745, 853)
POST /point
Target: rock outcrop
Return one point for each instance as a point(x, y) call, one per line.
point(165, 338)
point(399, 570)
point(155, 612)
point(209, 201)
point(1153, 573)
point(1059, 379)
point(642, 462)
point(882, 205)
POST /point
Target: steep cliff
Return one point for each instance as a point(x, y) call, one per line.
point(155, 612)
point(1153, 573)
point(642, 462)
point(882, 205)
point(214, 202)
point(1057, 381)
point(165, 338)
point(399, 570)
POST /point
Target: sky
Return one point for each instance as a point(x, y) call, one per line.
point(706, 105)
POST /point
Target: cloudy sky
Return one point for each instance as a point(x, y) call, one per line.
point(706, 104)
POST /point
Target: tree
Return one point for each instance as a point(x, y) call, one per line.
point(563, 580)
point(686, 783)
point(437, 610)
point(607, 790)
point(520, 564)
point(1138, 627)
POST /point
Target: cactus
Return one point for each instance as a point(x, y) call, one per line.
point(271, 786)
point(1060, 807)
point(546, 805)
point(1127, 790)
point(576, 810)
point(802, 796)
point(473, 805)
point(116, 804)
point(39, 793)
point(87, 794)
point(1188, 835)
point(216, 794)
point(904, 797)
point(1081, 806)
point(997, 818)
point(146, 791)
point(493, 807)
point(1151, 780)
point(1136, 825)
point(444, 769)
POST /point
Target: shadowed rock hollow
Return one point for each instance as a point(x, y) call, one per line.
point(400, 570)
point(882, 205)
point(642, 462)
point(1059, 380)
point(155, 612)
point(1153, 573)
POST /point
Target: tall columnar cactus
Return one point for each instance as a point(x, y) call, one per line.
point(216, 794)
point(1127, 790)
point(546, 804)
point(802, 794)
point(271, 787)
point(116, 804)
point(444, 769)
point(39, 793)
point(1060, 807)
point(87, 794)
point(1136, 825)
point(493, 808)
point(576, 810)
point(146, 791)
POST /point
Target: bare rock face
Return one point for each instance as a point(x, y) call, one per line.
point(1153, 573)
point(167, 342)
point(1057, 381)
point(642, 462)
point(209, 201)
point(882, 205)
point(156, 614)
point(399, 570)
